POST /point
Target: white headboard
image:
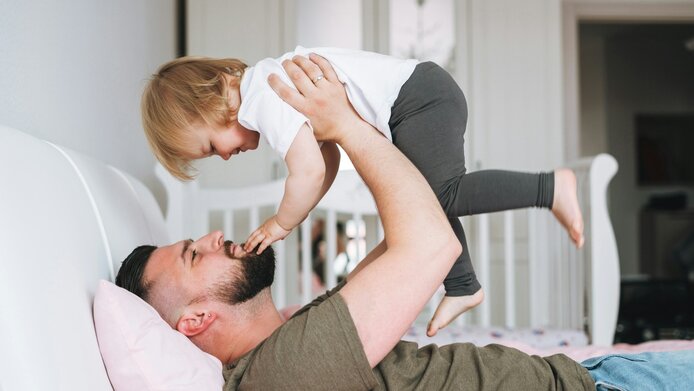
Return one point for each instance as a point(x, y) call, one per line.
point(66, 221)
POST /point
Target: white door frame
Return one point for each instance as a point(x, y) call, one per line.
point(575, 11)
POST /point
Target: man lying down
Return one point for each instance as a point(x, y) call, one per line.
point(219, 296)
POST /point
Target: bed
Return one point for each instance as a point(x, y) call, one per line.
point(540, 290)
point(66, 222)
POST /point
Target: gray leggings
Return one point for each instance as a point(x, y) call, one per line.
point(428, 124)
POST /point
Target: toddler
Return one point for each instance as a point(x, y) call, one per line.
point(197, 107)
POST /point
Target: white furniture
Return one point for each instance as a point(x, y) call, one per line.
point(565, 288)
point(66, 221)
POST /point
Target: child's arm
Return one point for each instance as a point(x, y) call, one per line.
point(302, 191)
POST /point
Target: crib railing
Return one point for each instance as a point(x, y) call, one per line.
point(531, 272)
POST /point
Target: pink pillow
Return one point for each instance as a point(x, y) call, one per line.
point(142, 352)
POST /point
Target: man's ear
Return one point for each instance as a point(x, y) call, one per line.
point(195, 321)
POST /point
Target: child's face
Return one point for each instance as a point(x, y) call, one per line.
point(224, 141)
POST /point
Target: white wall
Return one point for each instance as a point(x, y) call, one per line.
point(515, 82)
point(335, 23)
point(72, 72)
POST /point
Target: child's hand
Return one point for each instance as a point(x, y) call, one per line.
point(265, 235)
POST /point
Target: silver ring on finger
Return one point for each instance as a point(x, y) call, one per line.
point(317, 79)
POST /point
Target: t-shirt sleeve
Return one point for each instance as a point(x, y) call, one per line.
point(319, 349)
point(264, 111)
point(320, 298)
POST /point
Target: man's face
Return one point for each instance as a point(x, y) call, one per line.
point(208, 268)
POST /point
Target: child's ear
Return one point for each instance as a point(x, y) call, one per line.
point(194, 322)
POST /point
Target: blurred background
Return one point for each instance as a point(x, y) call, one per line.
point(547, 81)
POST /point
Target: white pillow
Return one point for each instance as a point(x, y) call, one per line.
point(142, 352)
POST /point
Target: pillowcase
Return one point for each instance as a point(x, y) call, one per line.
point(142, 352)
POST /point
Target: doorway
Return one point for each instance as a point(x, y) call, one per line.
point(630, 92)
point(633, 76)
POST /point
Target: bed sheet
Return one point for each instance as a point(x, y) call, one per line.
point(539, 341)
point(580, 353)
point(537, 338)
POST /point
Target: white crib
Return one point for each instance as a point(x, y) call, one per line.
point(531, 273)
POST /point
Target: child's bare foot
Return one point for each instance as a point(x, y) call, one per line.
point(450, 308)
point(565, 206)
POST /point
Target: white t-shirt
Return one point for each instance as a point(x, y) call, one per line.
point(372, 81)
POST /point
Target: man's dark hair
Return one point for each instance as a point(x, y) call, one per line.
point(257, 273)
point(131, 273)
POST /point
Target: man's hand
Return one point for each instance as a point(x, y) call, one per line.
point(265, 235)
point(324, 102)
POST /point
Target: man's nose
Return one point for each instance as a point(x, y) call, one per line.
point(211, 242)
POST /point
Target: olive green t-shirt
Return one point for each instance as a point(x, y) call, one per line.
point(319, 349)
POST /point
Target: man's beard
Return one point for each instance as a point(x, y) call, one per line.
point(249, 275)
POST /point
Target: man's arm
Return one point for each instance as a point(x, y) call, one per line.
point(385, 297)
point(370, 257)
point(331, 157)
